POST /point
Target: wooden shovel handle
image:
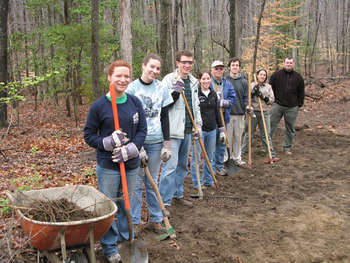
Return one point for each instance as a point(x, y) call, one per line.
point(264, 124)
point(200, 140)
point(160, 201)
point(121, 164)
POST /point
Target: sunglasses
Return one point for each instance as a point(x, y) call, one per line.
point(219, 69)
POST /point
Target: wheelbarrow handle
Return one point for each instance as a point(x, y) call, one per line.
point(121, 164)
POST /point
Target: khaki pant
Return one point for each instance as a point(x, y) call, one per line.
point(234, 133)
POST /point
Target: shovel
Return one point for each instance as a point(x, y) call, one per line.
point(230, 166)
point(132, 245)
point(200, 140)
point(200, 192)
point(170, 232)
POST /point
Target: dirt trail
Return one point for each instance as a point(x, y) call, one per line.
point(296, 210)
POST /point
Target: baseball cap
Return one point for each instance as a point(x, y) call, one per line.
point(217, 63)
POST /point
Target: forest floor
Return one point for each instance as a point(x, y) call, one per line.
point(295, 210)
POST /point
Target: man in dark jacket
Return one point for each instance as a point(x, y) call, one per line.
point(288, 88)
point(235, 127)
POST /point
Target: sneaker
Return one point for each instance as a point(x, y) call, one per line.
point(115, 258)
point(166, 213)
point(221, 172)
point(155, 227)
point(287, 151)
point(240, 163)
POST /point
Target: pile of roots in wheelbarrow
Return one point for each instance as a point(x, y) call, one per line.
point(60, 210)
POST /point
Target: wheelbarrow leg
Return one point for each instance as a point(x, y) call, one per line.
point(91, 251)
point(63, 246)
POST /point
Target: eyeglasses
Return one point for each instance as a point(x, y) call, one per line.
point(186, 62)
point(219, 69)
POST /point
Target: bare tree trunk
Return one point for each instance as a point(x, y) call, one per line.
point(258, 35)
point(4, 4)
point(125, 31)
point(164, 35)
point(94, 50)
point(51, 20)
point(317, 25)
point(198, 38)
point(232, 14)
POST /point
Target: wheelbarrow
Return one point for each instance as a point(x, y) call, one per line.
point(50, 237)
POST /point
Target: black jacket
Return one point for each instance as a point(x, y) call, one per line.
point(288, 88)
point(209, 110)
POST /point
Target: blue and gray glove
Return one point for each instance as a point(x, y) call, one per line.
point(117, 139)
point(125, 153)
point(178, 86)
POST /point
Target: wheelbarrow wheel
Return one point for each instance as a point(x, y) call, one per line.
point(78, 257)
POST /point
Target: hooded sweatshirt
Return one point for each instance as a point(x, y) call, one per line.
point(240, 85)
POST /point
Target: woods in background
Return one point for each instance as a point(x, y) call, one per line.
point(59, 48)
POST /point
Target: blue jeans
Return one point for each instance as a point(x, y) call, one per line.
point(219, 153)
point(153, 152)
point(175, 170)
point(209, 141)
point(109, 183)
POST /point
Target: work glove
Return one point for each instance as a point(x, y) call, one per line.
point(165, 153)
point(143, 158)
point(220, 96)
point(266, 99)
point(250, 111)
point(222, 135)
point(116, 139)
point(222, 102)
point(196, 134)
point(256, 92)
point(125, 153)
point(178, 86)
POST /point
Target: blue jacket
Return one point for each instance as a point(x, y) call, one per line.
point(100, 124)
point(229, 94)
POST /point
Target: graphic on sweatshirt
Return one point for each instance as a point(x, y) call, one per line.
point(150, 110)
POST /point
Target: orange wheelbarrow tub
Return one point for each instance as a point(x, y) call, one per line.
point(47, 236)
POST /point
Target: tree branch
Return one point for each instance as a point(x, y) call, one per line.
point(222, 44)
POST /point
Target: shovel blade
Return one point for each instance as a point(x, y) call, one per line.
point(134, 251)
point(231, 167)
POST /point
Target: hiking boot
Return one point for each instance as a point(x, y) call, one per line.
point(155, 227)
point(183, 202)
point(209, 186)
point(115, 258)
point(221, 172)
point(137, 229)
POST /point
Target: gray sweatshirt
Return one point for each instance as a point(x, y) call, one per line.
point(240, 85)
